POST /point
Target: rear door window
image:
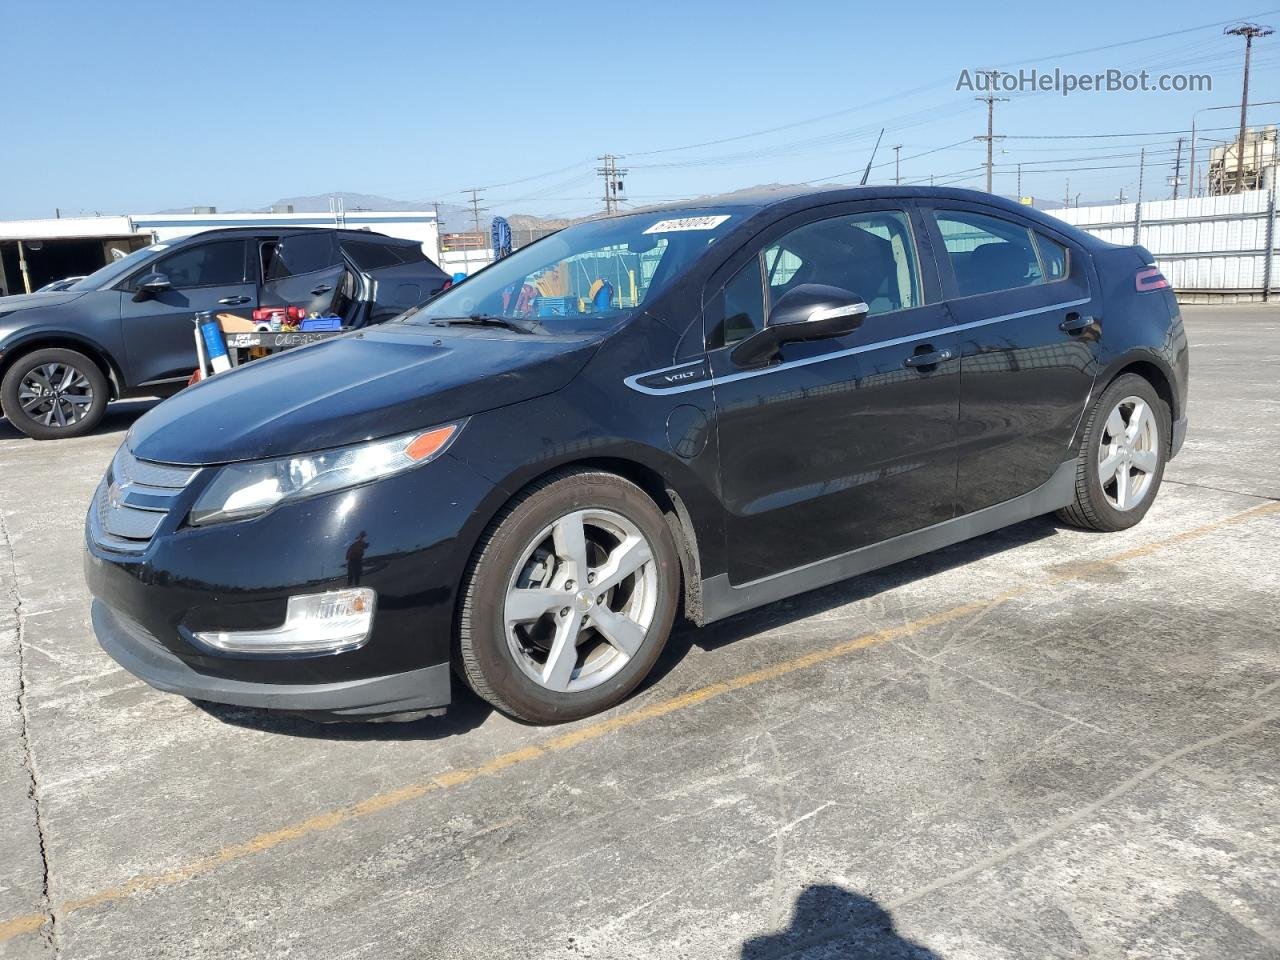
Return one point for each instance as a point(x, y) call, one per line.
point(371, 255)
point(988, 254)
point(299, 254)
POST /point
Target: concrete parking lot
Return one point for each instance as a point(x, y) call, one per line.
point(1043, 743)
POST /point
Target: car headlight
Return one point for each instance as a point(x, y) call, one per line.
point(243, 490)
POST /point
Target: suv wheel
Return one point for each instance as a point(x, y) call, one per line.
point(569, 599)
point(49, 394)
point(1123, 451)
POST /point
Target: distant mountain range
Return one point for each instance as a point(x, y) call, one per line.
point(457, 218)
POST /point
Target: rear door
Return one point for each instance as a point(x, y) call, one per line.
point(398, 275)
point(844, 442)
point(1023, 299)
point(304, 269)
point(158, 331)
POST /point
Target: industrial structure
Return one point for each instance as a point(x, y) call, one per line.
point(1229, 172)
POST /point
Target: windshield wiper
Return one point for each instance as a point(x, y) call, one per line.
point(482, 320)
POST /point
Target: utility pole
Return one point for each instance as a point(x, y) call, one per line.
point(991, 100)
point(612, 175)
point(897, 163)
point(476, 209)
point(1137, 207)
point(1019, 183)
point(439, 234)
point(1066, 196)
point(1177, 170)
point(1248, 31)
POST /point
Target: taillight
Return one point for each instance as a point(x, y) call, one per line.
point(1150, 278)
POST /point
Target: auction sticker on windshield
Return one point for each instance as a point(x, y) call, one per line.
point(688, 223)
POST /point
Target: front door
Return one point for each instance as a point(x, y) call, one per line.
point(844, 442)
point(159, 334)
point(1028, 331)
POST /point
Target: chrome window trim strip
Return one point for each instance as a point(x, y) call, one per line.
point(634, 384)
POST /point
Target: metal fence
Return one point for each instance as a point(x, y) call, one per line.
point(1212, 249)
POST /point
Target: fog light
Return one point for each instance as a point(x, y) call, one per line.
point(313, 623)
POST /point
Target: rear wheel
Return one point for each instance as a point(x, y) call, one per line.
point(1123, 451)
point(569, 599)
point(54, 393)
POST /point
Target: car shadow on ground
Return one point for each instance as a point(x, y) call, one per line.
point(782, 612)
point(465, 713)
point(836, 923)
point(119, 417)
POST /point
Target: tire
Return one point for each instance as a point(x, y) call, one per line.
point(79, 394)
point(1139, 457)
point(522, 600)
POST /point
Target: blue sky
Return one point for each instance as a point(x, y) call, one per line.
point(134, 107)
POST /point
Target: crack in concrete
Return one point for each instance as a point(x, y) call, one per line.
point(1206, 486)
point(49, 930)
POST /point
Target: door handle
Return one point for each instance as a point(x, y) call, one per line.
point(233, 301)
point(1075, 323)
point(323, 288)
point(917, 360)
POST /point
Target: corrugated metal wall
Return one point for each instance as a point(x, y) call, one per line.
point(1204, 245)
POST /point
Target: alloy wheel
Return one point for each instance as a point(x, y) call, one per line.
point(581, 600)
point(55, 394)
point(1128, 453)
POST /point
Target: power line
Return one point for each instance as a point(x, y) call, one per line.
point(923, 87)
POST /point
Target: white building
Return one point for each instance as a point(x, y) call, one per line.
point(34, 252)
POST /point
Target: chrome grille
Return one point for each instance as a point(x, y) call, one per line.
point(133, 499)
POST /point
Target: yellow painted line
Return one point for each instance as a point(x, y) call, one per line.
point(324, 822)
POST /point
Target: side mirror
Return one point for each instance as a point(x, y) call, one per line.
point(150, 285)
point(811, 311)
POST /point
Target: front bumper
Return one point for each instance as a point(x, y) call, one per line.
point(131, 646)
point(417, 528)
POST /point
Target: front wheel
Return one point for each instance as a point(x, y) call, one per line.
point(54, 393)
point(1123, 450)
point(569, 599)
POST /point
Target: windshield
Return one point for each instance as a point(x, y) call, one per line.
point(117, 268)
point(586, 277)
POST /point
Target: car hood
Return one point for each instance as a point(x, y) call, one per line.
point(375, 383)
point(53, 298)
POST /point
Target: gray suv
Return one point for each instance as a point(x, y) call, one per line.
point(126, 331)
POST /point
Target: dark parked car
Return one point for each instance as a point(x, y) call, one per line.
point(709, 407)
point(126, 330)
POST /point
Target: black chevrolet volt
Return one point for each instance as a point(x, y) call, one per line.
point(695, 409)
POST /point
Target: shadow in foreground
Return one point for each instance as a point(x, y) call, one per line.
point(118, 418)
point(686, 636)
point(466, 712)
point(836, 924)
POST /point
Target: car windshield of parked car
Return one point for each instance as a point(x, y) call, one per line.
point(587, 276)
point(117, 268)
